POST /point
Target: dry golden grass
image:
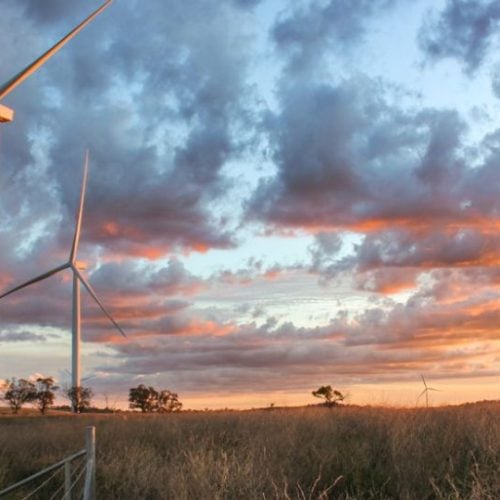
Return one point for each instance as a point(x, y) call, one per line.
point(288, 453)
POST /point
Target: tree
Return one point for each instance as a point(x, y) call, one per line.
point(19, 392)
point(168, 402)
point(331, 396)
point(80, 398)
point(148, 399)
point(44, 393)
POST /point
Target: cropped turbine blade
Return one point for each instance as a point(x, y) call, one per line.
point(86, 284)
point(43, 276)
point(79, 215)
point(22, 75)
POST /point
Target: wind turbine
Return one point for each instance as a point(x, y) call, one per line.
point(7, 114)
point(426, 392)
point(78, 279)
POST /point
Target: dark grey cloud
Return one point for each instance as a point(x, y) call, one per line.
point(47, 303)
point(55, 11)
point(324, 254)
point(305, 32)
point(448, 249)
point(464, 31)
point(137, 278)
point(390, 260)
point(22, 336)
point(495, 81)
point(246, 4)
point(347, 158)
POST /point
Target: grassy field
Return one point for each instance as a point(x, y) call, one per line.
point(348, 452)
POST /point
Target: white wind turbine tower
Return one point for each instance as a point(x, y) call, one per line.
point(7, 114)
point(78, 278)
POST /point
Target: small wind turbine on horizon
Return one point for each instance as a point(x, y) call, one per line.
point(78, 279)
point(7, 114)
point(426, 391)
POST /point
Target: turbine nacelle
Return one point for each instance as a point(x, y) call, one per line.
point(80, 265)
point(6, 114)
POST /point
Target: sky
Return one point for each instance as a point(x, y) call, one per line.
point(282, 195)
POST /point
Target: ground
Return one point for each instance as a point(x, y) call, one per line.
point(315, 452)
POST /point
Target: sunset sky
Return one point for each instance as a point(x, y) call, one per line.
point(282, 195)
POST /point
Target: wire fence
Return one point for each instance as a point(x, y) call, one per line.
point(72, 478)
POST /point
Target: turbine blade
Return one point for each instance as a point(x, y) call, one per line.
point(86, 284)
point(35, 280)
point(22, 75)
point(79, 215)
point(423, 380)
point(422, 393)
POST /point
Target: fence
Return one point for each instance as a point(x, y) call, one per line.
point(72, 476)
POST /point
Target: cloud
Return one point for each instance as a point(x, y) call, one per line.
point(464, 30)
point(305, 32)
point(22, 336)
point(136, 278)
point(399, 211)
point(159, 134)
point(350, 161)
point(378, 344)
point(495, 81)
point(46, 304)
point(347, 158)
point(145, 300)
point(387, 280)
point(454, 248)
point(246, 4)
point(52, 11)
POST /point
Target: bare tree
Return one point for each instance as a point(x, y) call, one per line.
point(80, 398)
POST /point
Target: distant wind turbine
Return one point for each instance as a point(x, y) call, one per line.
point(78, 278)
point(7, 114)
point(426, 392)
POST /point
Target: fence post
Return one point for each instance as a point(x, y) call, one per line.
point(67, 480)
point(89, 488)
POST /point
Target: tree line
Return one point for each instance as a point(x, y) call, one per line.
point(41, 394)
